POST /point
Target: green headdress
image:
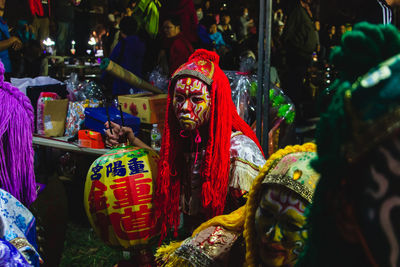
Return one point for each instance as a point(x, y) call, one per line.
point(364, 112)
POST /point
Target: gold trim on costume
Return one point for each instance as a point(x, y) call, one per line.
point(194, 73)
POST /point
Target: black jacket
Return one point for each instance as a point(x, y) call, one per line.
point(299, 35)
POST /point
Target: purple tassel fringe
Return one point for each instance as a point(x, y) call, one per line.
point(16, 151)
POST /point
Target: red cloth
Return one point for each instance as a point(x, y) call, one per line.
point(37, 8)
point(179, 49)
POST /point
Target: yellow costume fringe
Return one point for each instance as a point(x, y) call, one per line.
point(239, 220)
point(164, 255)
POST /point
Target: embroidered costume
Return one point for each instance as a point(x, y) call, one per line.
point(206, 148)
point(230, 240)
point(355, 218)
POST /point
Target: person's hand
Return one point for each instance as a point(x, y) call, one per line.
point(16, 43)
point(118, 134)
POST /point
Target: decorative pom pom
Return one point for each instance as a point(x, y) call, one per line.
point(206, 55)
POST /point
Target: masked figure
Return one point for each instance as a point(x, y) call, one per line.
point(209, 155)
point(269, 230)
point(355, 216)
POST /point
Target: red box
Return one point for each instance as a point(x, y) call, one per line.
point(90, 139)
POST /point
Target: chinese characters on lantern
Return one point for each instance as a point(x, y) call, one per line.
point(122, 191)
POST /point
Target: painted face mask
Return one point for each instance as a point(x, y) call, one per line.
point(279, 221)
point(279, 224)
point(191, 103)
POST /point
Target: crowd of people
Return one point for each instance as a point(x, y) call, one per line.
point(122, 31)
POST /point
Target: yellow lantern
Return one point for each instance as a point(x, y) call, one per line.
point(118, 196)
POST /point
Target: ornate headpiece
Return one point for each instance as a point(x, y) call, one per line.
point(294, 172)
point(201, 67)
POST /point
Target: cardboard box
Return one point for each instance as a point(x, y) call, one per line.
point(148, 107)
point(54, 115)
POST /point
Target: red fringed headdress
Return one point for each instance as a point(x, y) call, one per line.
point(224, 119)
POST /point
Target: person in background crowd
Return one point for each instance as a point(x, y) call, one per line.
point(342, 30)
point(117, 6)
point(99, 33)
point(207, 9)
point(215, 35)
point(202, 31)
point(41, 10)
point(176, 49)
point(299, 41)
point(128, 53)
point(376, 11)
point(185, 12)
point(330, 39)
point(226, 29)
point(199, 13)
point(245, 23)
point(27, 62)
point(113, 34)
point(131, 6)
point(82, 29)
point(65, 14)
point(24, 31)
point(7, 42)
point(317, 26)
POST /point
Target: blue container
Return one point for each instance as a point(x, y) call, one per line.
point(96, 117)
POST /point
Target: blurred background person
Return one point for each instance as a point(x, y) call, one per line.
point(299, 41)
point(65, 14)
point(7, 42)
point(128, 53)
point(176, 49)
point(245, 24)
point(41, 11)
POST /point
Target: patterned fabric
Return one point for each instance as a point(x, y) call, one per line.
point(357, 197)
point(17, 227)
point(202, 69)
point(371, 104)
point(10, 256)
point(294, 171)
point(246, 160)
point(208, 248)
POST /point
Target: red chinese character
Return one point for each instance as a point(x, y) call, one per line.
point(97, 198)
point(132, 225)
point(102, 222)
point(131, 190)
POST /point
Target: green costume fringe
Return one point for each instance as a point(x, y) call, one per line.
point(360, 50)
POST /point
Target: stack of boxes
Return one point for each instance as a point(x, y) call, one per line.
point(149, 108)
